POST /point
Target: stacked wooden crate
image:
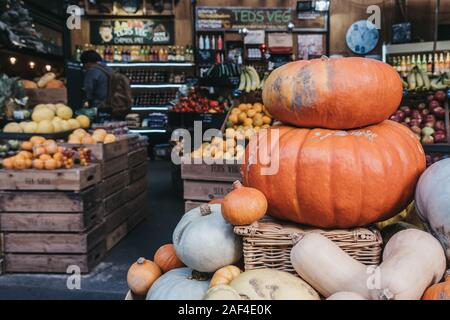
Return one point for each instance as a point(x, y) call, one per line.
point(124, 191)
point(204, 182)
point(51, 220)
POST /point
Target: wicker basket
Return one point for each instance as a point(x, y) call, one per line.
point(268, 243)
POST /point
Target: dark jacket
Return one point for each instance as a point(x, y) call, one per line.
point(96, 84)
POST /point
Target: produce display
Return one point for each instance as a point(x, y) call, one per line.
point(47, 119)
point(426, 118)
point(418, 80)
point(383, 161)
point(81, 137)
point(250, 80)
point(9, 148)
point(313, 93)
point(47, 81)
point(42, 154)
point(249, 116)
point(194, 102)
point(327, 178)
point(231, 147)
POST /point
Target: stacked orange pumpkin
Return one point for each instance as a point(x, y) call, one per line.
point(340, 162)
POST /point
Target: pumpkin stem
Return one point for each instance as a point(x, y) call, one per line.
point(205, 210)
point(199, 276)
point(296, 238)
point(386, 295)
point(237, 184)
point(140, 261)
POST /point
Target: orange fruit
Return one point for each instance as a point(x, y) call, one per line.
point(50, 164)
point(38, 164)
point(8, 163)
point(45, 157)
point(20, 163)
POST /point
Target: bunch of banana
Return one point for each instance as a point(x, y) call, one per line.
point(417, 80)
point(441, 82)
point(250, 80)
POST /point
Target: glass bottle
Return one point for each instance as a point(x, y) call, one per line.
point(201, 43)
point(220, 43)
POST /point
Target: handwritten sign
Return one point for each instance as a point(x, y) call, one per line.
point(132, 32)
point(241, 17)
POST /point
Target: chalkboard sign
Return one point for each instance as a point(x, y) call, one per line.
point(234, 18)
point(132, 32)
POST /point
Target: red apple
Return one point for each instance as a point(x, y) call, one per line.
point(395, 117)
point(440, 125)
point(433, 104)
point(430, 98)
point(401, 115)
point(416, 114)
point(425, 112)
point(430, 120)
point(421, 106)
point(439, 112)
point(440, 136)
point(407, 110)
point(415, 122)
point(440, 96)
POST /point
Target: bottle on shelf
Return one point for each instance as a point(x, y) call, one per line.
point(430, 63)
point(441, 62)
point(117, 55)
point(436, 64)
point(408, 63)
point(413, 61)
point(201, 42)
point(213, 42)
point(207, 43)
point(447, 62)
point(77, 55)
point(219, 43)
point(424, 63)
point(403, 64)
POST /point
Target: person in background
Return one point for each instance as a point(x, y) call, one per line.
point(106, 90)
point(96, 80)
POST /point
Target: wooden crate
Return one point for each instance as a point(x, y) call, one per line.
point(51, 221)
point(137, 203)
point(113, 238)
point(136, 188)
point(48, 201)
point(45, 96)
point(115, 201)
point(104, 152)
point(54, 243)
point(137, 157)
point(214, 172)
point(75, 179)
point(138, 172)
point(116, 218)
point(54, 263)
point(190, 205)
point(113, 184)
point(113, 166)
point(206, 190)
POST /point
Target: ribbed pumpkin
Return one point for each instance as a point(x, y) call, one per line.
point(166, 258)
point(339, 179)
point(341, 93)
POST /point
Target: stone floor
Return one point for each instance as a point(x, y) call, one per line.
point(108, 280)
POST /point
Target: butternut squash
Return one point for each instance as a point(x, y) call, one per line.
point(327, 268)
point(413, 260)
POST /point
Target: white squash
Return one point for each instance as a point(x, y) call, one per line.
point(179, 284)
point(413, 260)
point(346, 296)
point(204, 241)
point(264, 284)
point(327, 268)
point(433, 201)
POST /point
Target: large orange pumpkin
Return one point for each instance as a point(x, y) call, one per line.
point(341, 93)
point(336, 179)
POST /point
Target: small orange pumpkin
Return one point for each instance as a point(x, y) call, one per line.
point(26, 146)
point(141, 276)
point(224, 276)
point(439, 291)
point(243, 205)
point(38, 164)
point(50, 164)
point(166, 258)
point(20, 163)
point(8, 163)
point(55, 84)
